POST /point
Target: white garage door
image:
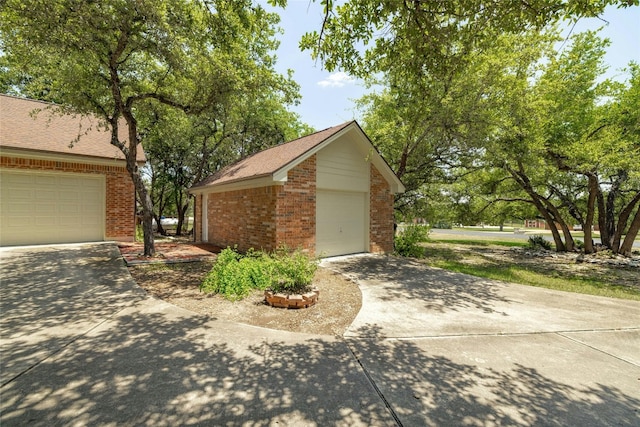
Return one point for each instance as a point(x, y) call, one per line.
point(38, 208)
point(340, 222)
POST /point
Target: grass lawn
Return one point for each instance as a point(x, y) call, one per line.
point(497, 257)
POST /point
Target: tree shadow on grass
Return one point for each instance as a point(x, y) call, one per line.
point(438, 290)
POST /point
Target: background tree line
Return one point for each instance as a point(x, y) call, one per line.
point(487, 111)
point(483, 109)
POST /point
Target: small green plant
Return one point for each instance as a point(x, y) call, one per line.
point(139, 233)
point(291, 272)
point(537, 242)
point(407, 242)
point(235, 275)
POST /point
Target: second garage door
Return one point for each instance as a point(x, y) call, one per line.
point(340, 222)
point(39, 208)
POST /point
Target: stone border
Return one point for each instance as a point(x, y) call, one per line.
point(292, 301)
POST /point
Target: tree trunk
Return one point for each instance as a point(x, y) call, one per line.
point(591, 201)
point(521, 178)
point(147, 222)
point(138, 182)
point(182, 211)
point(569, 244)
point(622, 223)
point(130, 150)
point(159, 228)
point(610, 219)
point(602, 224)
point(627, 244)
point(560, 246)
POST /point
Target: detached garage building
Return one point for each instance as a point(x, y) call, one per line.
point(61, 181)
point(328, 193)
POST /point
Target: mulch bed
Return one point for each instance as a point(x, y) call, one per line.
point(167, 252)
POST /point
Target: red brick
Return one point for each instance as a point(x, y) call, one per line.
point(120, 200)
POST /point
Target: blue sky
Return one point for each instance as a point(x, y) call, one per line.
point(327, 98)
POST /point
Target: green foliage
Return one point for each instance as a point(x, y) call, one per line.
point(129, 62)
point(475, 242)
point(290, 272)
point(235, 275)
point(538, 242)
point(368, 37)
point(523, 275)
point(407, 242)
point(608, 281)
point(442, 225)
point(139, 233)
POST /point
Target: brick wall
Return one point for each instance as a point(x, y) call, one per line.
point(243, 217)
point(120, 200)
point(296, 208)
point(381, 214)
point(266, 217)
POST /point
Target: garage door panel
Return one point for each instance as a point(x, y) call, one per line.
point(51, 208)
point(340, 222)
point(18, 194)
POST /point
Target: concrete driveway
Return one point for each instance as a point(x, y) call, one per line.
point(83, 345)
point(448, 349)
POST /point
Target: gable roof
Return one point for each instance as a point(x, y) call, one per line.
point(274, 163)
point(35, 126)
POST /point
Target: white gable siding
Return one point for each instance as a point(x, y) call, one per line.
point(341, 166)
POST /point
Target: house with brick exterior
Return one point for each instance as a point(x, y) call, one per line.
point(61, 180)
point(329, 193)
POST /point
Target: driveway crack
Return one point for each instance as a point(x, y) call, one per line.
point(375, 387)
point(577, 341)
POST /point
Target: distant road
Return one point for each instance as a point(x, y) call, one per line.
point(503, 234)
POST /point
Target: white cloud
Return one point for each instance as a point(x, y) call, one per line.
point(338, 79)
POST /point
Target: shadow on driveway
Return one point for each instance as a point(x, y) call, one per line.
point(82, 345)
point(400, 279)
point(483, 381)
point(112, 356)
point(51, 295)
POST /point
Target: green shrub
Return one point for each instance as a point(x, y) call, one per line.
point(234, 275)
point(228, 277)
point(538, 242)
point(291, 272)
point(407, 242)
point(445, 225)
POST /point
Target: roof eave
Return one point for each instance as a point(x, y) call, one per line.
point(56, 155)
point(263, 180)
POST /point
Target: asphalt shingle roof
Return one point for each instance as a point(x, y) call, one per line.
point(33, 125)
point(267, 162)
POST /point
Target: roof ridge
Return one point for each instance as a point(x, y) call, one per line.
point(287, 155)
point(22, 98)
point(290, 142)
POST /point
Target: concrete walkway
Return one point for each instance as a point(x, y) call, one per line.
point(81, 344)
point(449, 349)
